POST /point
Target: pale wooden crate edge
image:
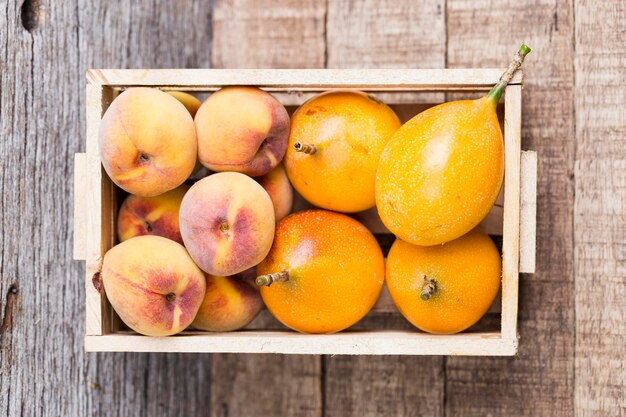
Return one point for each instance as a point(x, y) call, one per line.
point(303, 78)
point(511, 215)
point(528, 213)
point(286, 342)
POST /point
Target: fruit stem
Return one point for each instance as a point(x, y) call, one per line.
point(428, 289)
point(497, 90)
point(268, 279)
point(305, 148)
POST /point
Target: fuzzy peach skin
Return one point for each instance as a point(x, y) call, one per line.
point(242, 129)
point(230, 303)
point(279, 189)
point(147, 142)
point(227, 223)
point(191, 103)
point(153, 285)
point(157, 215)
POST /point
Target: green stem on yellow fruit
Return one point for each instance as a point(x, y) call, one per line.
point(496, 92)
point(305, 148)
point(268, 279)
point(428, 289)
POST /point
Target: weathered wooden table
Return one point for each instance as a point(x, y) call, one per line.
point(572, 311)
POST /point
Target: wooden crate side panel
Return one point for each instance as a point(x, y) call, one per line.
point(511, 225)
point(91, 204)
point(303, 79)
point(528, 212)
point(98, 206)
point(288, 342)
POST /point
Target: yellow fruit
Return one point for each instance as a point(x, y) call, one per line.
point(446, 288)
point(327, 272)
point(335, 142)
point(441, 172)
point(191, 103)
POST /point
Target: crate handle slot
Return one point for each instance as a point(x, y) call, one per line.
point(80, 185)
point(528, 212)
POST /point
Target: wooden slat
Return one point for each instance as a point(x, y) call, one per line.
point(540, 381)
point(289, 342)
point(511, 216)
point(303, 79)
point(257, 34)
point(528, 212)
point(92, 201)
point(408, 38)
point(600, 209)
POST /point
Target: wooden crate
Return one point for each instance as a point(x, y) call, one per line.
point(513, 218)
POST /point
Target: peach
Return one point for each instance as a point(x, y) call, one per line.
point(151, 215)
point(279, 189)
point(147, 142)
point(227, 223)
point(242, 129)
point(230, 303)
point(191, 103)
point(153, 285)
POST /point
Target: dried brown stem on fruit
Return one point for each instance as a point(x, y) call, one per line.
point(428, 289)
point(268, 279)
point(305, 148)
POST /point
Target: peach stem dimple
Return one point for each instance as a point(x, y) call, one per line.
point(170, 297)
point(224, 227)
point(305, 148)
point(268, 279)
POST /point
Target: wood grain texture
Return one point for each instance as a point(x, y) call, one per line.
point(385, 34)
point(263, 34)
point(381, 342)
point(600, 209)
point(44, 370)
point(266, 34)
point(540, 381)
point(388, 386)
point(511, 215)
point(528, 213)
point(265, 385)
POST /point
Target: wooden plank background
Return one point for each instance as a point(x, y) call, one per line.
point(572, 311)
